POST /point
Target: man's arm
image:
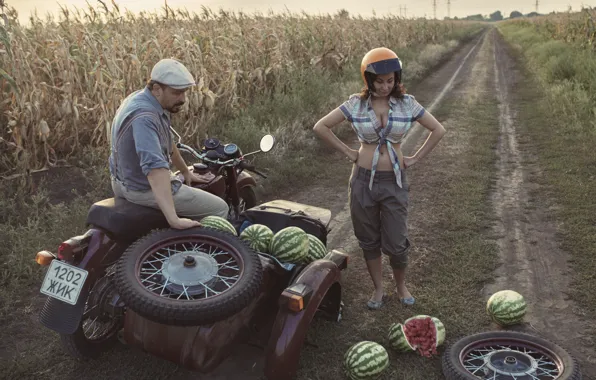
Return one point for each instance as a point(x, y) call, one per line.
point(157, 170)
point(178, 161)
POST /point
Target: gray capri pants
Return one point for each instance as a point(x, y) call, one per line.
point(379, 216)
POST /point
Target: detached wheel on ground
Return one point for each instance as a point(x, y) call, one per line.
point(188, 277)
point(512, 355)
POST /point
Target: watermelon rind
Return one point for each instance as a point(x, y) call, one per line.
point(506, 308)
point(219, 223)
point(258, 237)
point(316, 249)
point(397, 338)
point(440, 332)
point(365, 360)
point(289, 245)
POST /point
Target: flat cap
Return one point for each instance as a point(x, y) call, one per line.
point(172, 73)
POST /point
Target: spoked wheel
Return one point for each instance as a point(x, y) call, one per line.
point(508, 355)
point(188, 277)
point(99, 327)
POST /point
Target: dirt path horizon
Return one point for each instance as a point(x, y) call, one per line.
point(532, 262)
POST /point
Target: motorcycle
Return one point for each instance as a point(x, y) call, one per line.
point(131, 278)
point(228, 164)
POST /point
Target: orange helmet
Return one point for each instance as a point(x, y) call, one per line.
point(380, 61)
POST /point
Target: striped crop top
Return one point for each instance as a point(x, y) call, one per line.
point(402, 114)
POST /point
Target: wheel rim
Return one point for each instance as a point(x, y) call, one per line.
point(189, 268)
point(509, 358)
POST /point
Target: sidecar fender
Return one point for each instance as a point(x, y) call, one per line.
point(317, 284)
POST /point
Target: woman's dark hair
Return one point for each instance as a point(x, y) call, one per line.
point(398, 89)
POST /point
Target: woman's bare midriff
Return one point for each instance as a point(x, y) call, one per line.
point(367, 152)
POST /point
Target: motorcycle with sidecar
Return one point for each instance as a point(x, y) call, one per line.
point(189, 295)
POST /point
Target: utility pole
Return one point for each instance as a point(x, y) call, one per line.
point(537, 1)
point(449, 9)
point(403, 10)
point(435, 8)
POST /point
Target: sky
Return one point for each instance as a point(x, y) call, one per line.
point(459, 8)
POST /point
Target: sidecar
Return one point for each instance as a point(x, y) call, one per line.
point(188, 296)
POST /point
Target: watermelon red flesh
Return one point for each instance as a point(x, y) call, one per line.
point(421, 335)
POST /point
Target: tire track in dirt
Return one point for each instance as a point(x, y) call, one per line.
point(532, 262)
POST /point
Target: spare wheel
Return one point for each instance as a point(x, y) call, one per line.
point(188, 277)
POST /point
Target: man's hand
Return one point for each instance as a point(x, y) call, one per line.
point(190, 177)
point(184, 223)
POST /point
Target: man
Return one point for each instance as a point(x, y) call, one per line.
point(142, 147)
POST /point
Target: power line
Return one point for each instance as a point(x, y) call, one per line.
point(403, 10)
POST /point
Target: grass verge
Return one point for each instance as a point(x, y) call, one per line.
point(556, 118)
point(451, 259)
point(45, 210)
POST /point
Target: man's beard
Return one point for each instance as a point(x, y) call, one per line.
point(176, 108)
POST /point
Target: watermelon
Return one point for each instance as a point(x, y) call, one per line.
point(316, 249)
point(365, 360)
point(289, 245)
point(397, 339)
point(420, 333)
point(219, 223)
point(506, 308)
point(258, 237)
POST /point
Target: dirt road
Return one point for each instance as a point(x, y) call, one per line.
point(532, 263)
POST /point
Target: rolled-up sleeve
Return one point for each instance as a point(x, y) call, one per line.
point(347, 107)
point(416, 108)
point(145, 132)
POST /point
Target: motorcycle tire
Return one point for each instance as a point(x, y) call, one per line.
point(249, 196)
point(77, 345)
point(188, 312)
point(453, 357)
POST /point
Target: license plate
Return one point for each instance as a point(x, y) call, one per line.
point(64, 282)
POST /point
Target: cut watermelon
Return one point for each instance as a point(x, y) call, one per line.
point(420, 333)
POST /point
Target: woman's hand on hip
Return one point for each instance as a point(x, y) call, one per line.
point(353, 155)
point(409, 161)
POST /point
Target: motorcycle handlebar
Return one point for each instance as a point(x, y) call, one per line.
point(243, 164)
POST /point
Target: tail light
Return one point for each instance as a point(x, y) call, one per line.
point(44, 258)
point(74, 247)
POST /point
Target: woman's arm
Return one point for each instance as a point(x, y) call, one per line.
point(437, 131)
point(323, 129)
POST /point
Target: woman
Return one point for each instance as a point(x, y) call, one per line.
point(378, 191)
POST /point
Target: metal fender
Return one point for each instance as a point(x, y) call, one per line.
point(245, 179)
point(289, 330)
point(65, 318)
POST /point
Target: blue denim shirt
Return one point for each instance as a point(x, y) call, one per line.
point(140, 141)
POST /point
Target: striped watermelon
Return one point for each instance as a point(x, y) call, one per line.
point(219, 223)
point(365, 360)
point(290, 245)
point(316, 249)
point(420, 333)
point(258, 237)
point(506, 307)
point(397, 339)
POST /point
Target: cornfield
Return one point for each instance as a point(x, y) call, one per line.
point(571, 27)
point(61, 81)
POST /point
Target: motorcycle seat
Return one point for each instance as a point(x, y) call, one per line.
point(125, 220)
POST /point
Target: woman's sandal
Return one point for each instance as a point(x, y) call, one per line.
point(376, 305)
point(407, 301)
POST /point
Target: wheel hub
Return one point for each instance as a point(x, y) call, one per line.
point(189, 272)
point(511, 363)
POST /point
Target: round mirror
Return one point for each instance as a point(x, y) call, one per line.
point(267, 143)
